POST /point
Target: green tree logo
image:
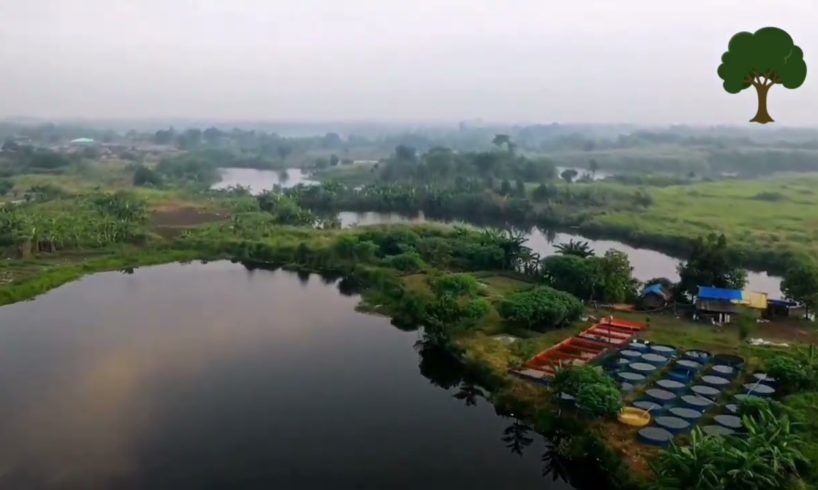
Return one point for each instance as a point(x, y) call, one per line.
point(762, 59)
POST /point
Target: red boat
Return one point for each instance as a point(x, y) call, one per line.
point(581, 349)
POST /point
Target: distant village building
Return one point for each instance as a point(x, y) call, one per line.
point(82, 141)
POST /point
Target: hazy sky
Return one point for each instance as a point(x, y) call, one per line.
point(640, 61)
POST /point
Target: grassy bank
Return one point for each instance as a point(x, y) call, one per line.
point(768, 220)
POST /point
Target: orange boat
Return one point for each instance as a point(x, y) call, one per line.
point(585, 347)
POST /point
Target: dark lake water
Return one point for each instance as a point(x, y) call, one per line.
point(215, 376)
point(647, 264)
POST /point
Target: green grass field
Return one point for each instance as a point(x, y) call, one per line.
point(775, 214)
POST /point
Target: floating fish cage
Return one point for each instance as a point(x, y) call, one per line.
point(764, 378)
point(681, 376)
point(663, 350)
point(648, 405)
point(715, 381)
point(700, 356)
point(674, 425)
point(655, 359)
point(731, 360)
point(636, 345)
point(642, 367)
point(655, 436)
point(745, 396)
point(631, 377)
point(630, 354)
point(689, 414)
point(730, 421)
point(696, 402)
point(760, 390)
point(706, 391)
point(687, 365)
point(724, 370)
point(671, 385)
point(717, 430)
point(660, 396)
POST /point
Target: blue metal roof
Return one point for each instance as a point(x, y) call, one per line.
point(654, 289)
point(720, 294)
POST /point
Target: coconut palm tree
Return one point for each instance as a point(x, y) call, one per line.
point(577, 248)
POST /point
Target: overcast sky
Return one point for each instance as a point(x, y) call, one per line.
point(637, 61)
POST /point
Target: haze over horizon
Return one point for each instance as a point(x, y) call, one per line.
point(591, 61)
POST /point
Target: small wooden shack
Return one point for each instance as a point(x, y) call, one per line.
point(719, 305)
point(654, 297)
point(784, 308)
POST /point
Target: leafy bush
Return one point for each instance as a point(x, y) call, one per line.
point(454, 284)
point(571, 379)
point(600, 400)
point(284, 210)
point(5, 186)
point(766, 457)
point(188, 168)
point(594, 391)
point(769, 196)
point(406, 262)
point(793, 372)
point(143, 176)
point(541, 308)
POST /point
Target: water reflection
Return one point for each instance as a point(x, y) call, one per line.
point(224, 376)
point(469, 393)
point(564, 455)
point(517, 437)
point(259, 181)
point(647, 264)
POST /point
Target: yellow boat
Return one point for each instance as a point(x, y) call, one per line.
point(633, 416)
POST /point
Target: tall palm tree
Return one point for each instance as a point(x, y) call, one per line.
point(578, 248)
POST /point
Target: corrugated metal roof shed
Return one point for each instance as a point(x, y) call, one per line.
point(755, 300)
point(717, 306)
point(720, 294)
point(655, 289)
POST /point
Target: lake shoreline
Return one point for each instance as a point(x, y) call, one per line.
point(525, 401)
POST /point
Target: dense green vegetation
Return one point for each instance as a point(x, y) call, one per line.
point(606, 279)
point(52, 223)
point(711, 263)
point(541, 307)
point(766, 457)
point(594, 392)
point(481, 296)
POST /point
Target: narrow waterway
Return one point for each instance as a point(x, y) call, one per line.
point(218, 376)
point(647, 264)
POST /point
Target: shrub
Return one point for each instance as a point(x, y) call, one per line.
point(600, 400)
point(792, 373)
point(571, 379)
point(594, 391)
point(454, 284)
point(5, 186)
point(766, 457)
point(541, 308)
point(143, 176)
point(406, 262)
